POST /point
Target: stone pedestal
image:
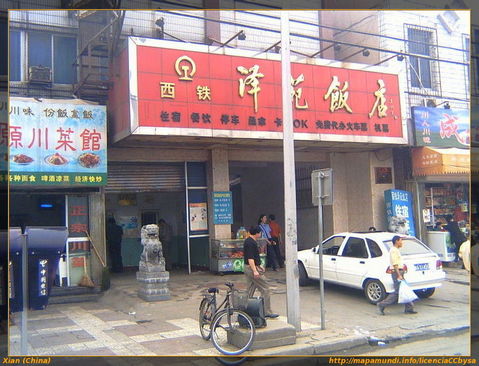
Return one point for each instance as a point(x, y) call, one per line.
point(153, 282)
point(152, 276)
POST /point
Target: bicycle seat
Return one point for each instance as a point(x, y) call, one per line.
point(213, 290)
point(230, 284)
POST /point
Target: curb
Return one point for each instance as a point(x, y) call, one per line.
point(341, 344)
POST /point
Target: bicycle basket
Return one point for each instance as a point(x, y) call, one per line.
point(240, 299)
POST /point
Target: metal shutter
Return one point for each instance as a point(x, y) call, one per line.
point(141, 177)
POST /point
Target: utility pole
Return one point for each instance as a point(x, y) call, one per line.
point(291, 237)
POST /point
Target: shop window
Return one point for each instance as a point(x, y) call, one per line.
point(15, 56)
point(196, 174)
point(3, 44)
point(57, 52)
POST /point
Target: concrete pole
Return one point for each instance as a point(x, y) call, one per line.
point(291, 237)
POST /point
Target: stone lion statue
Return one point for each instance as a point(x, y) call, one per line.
point(152, 254)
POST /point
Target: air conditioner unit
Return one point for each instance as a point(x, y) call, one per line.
point(430, 103)
point(39, 74)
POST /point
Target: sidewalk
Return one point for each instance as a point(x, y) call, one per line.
point(122, 324)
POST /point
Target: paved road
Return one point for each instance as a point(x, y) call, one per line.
point(122, 324)
point(451, 345)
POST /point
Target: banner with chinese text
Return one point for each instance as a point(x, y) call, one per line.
point(63, 144)
point(222, 208)
point(399, 212)
point(192, 91)
point(439, 127)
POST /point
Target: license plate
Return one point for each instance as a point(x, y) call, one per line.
point(422, 266)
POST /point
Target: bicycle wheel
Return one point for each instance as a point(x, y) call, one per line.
point(232, 332)
point(207, 311)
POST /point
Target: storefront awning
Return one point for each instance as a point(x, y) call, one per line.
point(435, 161)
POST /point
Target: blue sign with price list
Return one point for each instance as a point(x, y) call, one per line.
point(222, 208)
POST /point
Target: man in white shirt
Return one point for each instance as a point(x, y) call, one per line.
point(397, 267)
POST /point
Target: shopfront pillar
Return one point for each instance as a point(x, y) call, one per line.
point(219, 181)
point(97, 233)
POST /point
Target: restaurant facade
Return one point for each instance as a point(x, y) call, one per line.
point(194, 122)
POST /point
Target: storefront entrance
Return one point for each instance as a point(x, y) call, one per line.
point(138, 194)
point(133, 210)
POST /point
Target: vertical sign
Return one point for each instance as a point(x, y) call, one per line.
point(399, 211)
point(223, 208)
point(42, 277)
point(77, 216)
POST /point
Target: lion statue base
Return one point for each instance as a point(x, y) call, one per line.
point(152, 276)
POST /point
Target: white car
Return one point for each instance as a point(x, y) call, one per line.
point(361, 260)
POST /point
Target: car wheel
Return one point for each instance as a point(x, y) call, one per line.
point(374, 291)
point(425, 292)
point(303, 275)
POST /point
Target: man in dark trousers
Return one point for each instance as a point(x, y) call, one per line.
point(276, 237)
point(397, 268)
point(114, 234)
point(254, 272)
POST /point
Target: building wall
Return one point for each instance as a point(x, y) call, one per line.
point(360, 21)
point(380, 158)
point(452, 76)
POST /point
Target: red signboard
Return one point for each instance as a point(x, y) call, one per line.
point(179, 91)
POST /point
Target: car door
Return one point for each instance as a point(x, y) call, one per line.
point(352, 262)
point(330, 249)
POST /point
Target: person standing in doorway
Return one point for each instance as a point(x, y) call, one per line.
point(266, 234)
point(457, 236)
point(397, 268)
point(276, 237)
point(114, 234)
point(254, 272)
point(165, 238)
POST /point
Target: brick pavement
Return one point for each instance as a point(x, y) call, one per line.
point(121, 324)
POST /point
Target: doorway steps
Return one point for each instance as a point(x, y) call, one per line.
point(74, 294)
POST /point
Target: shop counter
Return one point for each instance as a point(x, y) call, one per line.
point(226, 255)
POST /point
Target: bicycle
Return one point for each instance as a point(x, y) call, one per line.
point(225, 323)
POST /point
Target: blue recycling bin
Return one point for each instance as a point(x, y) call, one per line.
point(44, 245)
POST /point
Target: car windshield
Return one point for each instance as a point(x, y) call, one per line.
point(410, 246)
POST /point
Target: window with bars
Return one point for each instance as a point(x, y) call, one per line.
point(420, 70)
point(56, 52)
point(467, 54)
point(475, 62)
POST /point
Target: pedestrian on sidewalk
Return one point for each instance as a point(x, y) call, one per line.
point(276, 237)
point(266, 233)
point(254, 272)
point(397, 268)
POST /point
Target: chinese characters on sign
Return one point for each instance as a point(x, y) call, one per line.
point(183, 89)
point(56, 143)
point(43, 277)
point(222, 208)
point(77, 216)
point(438, 127)
point(399, 212)
point(338, 97)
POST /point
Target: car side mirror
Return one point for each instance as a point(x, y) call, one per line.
point(314, 250)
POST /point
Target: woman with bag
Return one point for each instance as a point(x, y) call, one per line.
point(397, 267)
